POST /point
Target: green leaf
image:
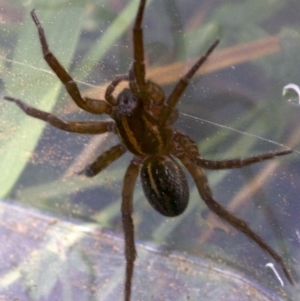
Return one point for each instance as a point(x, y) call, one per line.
point(29, 79)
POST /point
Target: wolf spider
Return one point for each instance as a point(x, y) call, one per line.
point(142, 119)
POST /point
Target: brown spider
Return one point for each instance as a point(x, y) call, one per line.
point(142, 119)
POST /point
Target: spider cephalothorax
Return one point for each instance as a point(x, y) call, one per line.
point(142, 118)
point(137, 127)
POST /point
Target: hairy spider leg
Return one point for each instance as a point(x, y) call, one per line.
point(83, 127)
point(128, 226)
point(182, 84)
point(148, 91)
point(104, 160)
point(191, 149)
point(201, 182)
point(138, 45)
point(236, 162)
point(90, 105)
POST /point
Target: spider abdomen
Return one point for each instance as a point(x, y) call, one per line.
point(165, 185)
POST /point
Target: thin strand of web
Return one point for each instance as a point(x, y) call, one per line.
point(191, 116)
point(43, 70)
point(238, 131)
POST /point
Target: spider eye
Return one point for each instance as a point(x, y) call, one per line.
point(126, 102)
point(165, 185)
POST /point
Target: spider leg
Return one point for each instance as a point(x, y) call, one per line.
point(95, 127)
point(147, 90)
point(238, 163)
point(87, 104)
point(138, 44)
point(104, 160)
point(182, 84)
point(190, 148)
point(128, 226)
point(202, 185)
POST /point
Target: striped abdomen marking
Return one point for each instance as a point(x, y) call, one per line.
point(165, 185)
